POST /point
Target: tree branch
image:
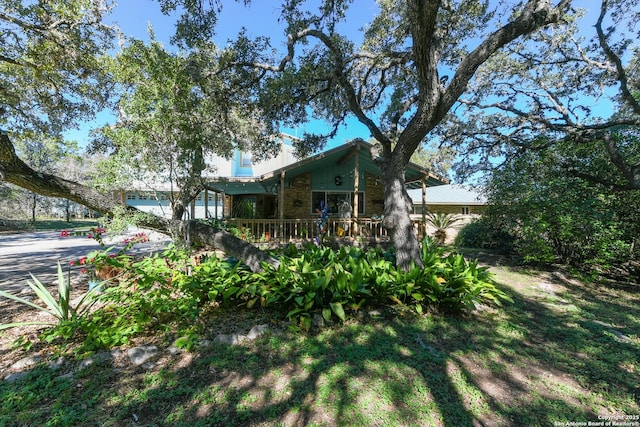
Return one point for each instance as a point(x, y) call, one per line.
point(15, 171)
point(536, 14)
point(630, 172)
point(615, 59)
point(613, 186)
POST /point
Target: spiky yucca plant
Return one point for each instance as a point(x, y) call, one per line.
point(441, 222)
point(60, 308)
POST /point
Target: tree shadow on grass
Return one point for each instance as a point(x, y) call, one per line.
point(371, 375)
point(532, 363)
point(549, 358)
point(541, 360)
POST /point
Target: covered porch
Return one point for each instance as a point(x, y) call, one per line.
point(284, 204)
point(299, 229)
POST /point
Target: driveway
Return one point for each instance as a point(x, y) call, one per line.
point(39, 252)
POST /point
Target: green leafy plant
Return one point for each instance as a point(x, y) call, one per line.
point(168, 293)
point(485, 233)
point(60, 308)
point(460, 284)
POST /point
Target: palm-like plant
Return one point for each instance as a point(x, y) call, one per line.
point(61, 309)
point(441, 222)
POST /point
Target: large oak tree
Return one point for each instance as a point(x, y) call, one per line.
point(416, 59)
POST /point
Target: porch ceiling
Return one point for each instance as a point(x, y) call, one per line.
point(235, 186)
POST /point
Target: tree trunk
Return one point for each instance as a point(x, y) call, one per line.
point(34, 201)
point(397, 214)
point(15, 171)
point(177, 209)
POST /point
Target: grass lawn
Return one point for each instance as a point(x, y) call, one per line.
point(45, 224)
point(564, 352)
point(57, 224)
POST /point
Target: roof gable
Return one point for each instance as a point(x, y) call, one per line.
point(414, 174)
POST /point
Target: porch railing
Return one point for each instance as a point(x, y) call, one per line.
point(264, 230)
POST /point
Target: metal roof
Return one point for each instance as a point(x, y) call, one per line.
point(449, 195)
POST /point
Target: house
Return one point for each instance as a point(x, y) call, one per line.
point(344, 174)
point(449, 199)
point(281, 197)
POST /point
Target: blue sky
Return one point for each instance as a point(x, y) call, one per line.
point(133, 17)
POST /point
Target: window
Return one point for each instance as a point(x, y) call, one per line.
point(334, 199)
point(465, 210)
point(142, 197)
point(245, 159)
point(131, 196)
point(244, 207)
point(417, 210)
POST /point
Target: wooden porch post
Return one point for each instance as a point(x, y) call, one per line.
point(356, 188)
point(206, 203)
point(281, 205)
point(424, 206)
point(223, 195)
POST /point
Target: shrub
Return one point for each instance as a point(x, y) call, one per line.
point(335, 283)
point(167, 293)
point(441, 222)
point(554, 215)
point(486, 233)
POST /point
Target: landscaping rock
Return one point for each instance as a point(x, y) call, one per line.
point(620, 337)
point(54, 365)
point(231, 339)
point(101, 357)
point(67, 376)
point(235, 339)
point(149, 366)
point(174, 349)
point(140, 355)
point(257, 331)
point(11, 378)
point(26, 362)
point(203, 343)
